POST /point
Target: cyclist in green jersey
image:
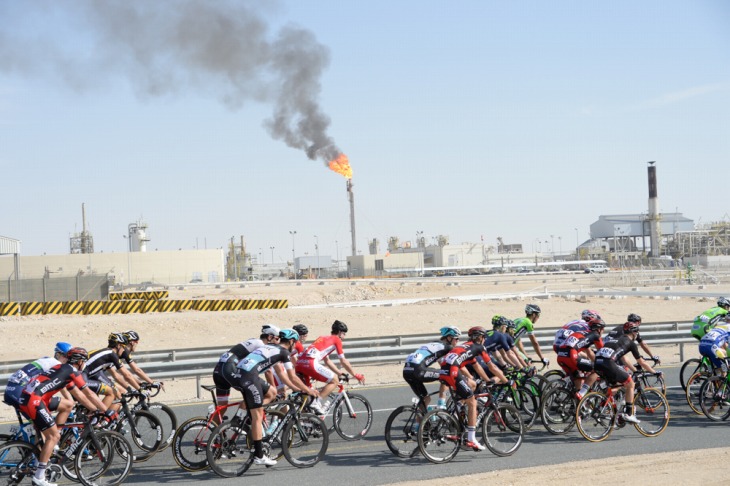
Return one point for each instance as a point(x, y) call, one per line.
point(707, 320)
point(525, 326)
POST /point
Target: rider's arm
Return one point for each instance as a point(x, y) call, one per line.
point(120, 378)
point(645, 365)
point(329, 364)
point(346, 364)
point(138, 371)
point(129, 377)
point(498, 375)
point(536, 346)
point(290, 379)
point(88, 399)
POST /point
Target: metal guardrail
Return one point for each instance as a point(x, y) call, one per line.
point(199, 362)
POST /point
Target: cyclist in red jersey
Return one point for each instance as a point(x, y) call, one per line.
point(316, 364)
point(578, 367)
point(38, 393)
point(457, 377)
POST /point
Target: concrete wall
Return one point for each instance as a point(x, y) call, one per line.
point(164, 267)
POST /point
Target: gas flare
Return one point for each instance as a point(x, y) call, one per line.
point(341, 165)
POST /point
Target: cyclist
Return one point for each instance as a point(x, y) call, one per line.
point(607, 365)
point(618, 331)
point(454, 374)
point(302, 330)
point(133, 339)
point(36, 402)
point(257, 392)
point(577, 325)
point(106, 360)
point(316, 364)
point(705, 321)
point(417, 371)
point(225, 369)
point(20, 378)
point(500, 345)
point(524, 326)
point(713, 345)
point(578, 367)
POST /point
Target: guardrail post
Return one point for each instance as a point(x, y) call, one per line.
point(675, 327)
point(173, 355)
point(398, 340)
point(681, 352)
point(197, 386)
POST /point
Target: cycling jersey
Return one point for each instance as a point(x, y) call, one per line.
point(569, 358)
point(498, 340)
point(608, 359)
point(712, 345)
point(20, 378)
point(564, 332)
point(248, 380)
point(127, 356)
point(225, 370)
point(706, 321)
point(37, 394)
point(460, 356)
point(524, 327)
point(617, 332)
point(416, 369)
point(323, 346)
point(101, 360)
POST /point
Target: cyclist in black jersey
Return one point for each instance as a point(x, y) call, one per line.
point(133, 342)
point(417, 371)
point(618, 331)
point(107, 360)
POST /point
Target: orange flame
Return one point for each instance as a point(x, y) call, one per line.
point(341, 165)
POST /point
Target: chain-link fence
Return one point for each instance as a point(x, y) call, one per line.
point(80, 288)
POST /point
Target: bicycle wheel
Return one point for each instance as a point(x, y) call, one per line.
point(553, 377)
point(168, 419)
point(652, 409)
point(17, 460)
point(692, 390)
point(305, 440)
point(145, 436)
point(68, 437)
point(439, 436)
point(353, 416)
point(227, 452)
point(273, 445)
point(108, 461)
point(537, 385)
point(595, 416)
point(503, 430)
point(401, 431)
point(527, 404)
point(689, 368)
point(654, 381)
point(558, 410)
point(189, 443)
point(715, 398)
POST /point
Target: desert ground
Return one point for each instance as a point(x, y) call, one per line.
point(312, 303)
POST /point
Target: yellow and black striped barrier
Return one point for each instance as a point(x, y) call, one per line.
point(98, 307)
point(140, 295)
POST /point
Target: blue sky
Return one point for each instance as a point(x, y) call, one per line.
point(470, 119)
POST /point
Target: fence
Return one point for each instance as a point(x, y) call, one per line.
point(199, 362)
point(79, 288)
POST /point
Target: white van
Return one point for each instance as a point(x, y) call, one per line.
point(597, 268)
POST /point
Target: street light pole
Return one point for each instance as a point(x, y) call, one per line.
point(419, 235)
point(337, 262)
point(272, 254)
point(129, 263)
point(577, 243)
point(552, 245)
point(293, 267)
point(316, 248)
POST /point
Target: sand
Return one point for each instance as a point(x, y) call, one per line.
point(34, 336)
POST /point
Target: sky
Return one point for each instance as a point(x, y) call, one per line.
point(524, 120)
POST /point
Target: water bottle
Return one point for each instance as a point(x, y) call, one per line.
point(327, 405)
point(272, 427)
point(434, 418)
point(211, 409)
point(14, 430)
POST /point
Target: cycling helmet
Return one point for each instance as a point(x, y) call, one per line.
point(116, 338)
point(596, 324)
point(499, 321)
point(723, 302)
point(301, 329)
point(131, 336)
point(588, 314)
point(75, 355)
point(477, 331)
point(532, 309)
point(634, 318)
point(510, 324)
point(62, 347)
point(289, 335)
point(339, 326)
point(450, 331)
point(630, 327)
point(270, 330)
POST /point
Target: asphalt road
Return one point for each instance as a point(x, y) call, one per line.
point(369, 462)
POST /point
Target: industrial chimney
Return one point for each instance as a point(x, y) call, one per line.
point(653, 212)
point(351, 198)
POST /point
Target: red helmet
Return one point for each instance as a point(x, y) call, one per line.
point(630, 327)
point(476, 331)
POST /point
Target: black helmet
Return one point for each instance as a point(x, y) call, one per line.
point(634, 318)
point(723, 302)
point(131, 336)
point(499, 321)
point(532, 309)
point(301, 329)
point(339, 326)
point(631, 327)
point(116, 338)
point(75, 355)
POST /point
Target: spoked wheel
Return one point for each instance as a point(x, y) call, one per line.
point(652, 409)
point(689, 368)
point(17, 461)
point(595, 416)
point(106, 459)
point(439, 436)
point(503, 430)
point(693, 388)
point(401, 431)
point(227, 452)
point(558, 410)
point(353, 421)
point(715, 398)
point(528, 406)
point(145, 436)
point(189, 443)
point(305, 441)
